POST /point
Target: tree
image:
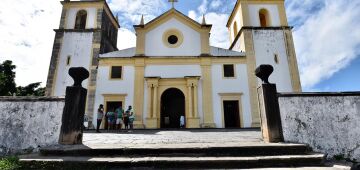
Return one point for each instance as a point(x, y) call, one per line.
point(32, 89)
point(7, 78)
point(8, 86)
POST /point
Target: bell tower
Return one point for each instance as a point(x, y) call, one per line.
point(260, 29)
point(87, 28)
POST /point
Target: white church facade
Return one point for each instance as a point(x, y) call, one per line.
point(173, 71)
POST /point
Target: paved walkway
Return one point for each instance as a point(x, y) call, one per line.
point(174, 138)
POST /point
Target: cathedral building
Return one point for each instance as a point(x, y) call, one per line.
point(173, 71)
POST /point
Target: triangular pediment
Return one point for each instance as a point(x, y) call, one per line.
point(173, 13)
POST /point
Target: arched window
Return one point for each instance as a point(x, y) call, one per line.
point(264, 18)
point(235, 29)
point(80, 22)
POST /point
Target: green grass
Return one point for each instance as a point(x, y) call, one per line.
point(10, 163)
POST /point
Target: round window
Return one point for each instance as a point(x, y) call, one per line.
point(172, 39)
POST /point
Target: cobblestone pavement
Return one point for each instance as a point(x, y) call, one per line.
point(173, 138)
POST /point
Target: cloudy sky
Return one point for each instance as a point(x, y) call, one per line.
point(326, 34)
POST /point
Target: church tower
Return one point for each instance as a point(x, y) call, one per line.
point(260, 29)
point(87, 28)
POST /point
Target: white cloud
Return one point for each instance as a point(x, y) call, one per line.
point(215, 4)
point(203, 7)
point(27, 36)
point(192, 15)
point(126, 39)
point(328, 40)
point(219, 33)
point(130, 11)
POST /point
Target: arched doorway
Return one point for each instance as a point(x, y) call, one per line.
point(172, 107)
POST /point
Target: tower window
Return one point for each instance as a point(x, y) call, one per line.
point(264, 18)
point(116, 72)
point(68, 60)
point(80, 22)
point(276, 58)
point(235, 29)
point(229, 70)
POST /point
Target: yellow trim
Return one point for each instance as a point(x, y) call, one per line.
point(282, 14)
point(110, 72)
point(57, 67)
point(175, 32)
point(230, 97)
point(140, 42)
point(251, 64)
point(207, 93)
point(223, 71)
point(83, 5)
point(138, 100)
point(170, 61)
point(293, 66)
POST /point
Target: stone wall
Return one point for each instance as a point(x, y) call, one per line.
point(27, 123)
point(328, 122)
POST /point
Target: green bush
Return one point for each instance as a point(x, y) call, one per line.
point(9, 163)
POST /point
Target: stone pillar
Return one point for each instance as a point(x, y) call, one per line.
point(154, 114)
point(149, 102)
point(195, 102)
point(73, 115)
point(151, 119)
point(271, 127)
point(207, 93)
point(192, 119)
point(190, 113)
point(139, 92)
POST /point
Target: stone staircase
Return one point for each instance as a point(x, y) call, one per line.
point(258, 155)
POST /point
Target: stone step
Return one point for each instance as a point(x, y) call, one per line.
point(206, 151)
point(171, 162)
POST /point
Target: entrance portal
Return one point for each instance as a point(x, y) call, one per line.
point(172, 107)
point(111, 106)
point(231, 114)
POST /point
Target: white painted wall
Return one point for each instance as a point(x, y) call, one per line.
point(236, 85)
point(78, 46)
point(266, 44)
point(154, 45)
point(71, 17)
point(106, 86)
point(172, 71)
point(273, 14)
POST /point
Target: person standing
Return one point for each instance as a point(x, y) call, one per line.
point(100, 115)
point(119, 117)
point(131, 120)
point(126, 119)
point(130, 111)
point(182, 121)
point(111, 118)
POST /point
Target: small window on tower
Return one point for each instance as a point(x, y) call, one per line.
point(229, 70)
point(235, 29)
point(68, 60)
point(80, 22)
point(276, 58)
point(264, 18)
point(116, 72)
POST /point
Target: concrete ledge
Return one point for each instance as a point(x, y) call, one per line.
point(315, 94)
point(30, 98)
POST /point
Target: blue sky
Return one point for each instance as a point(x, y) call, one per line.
point(326, 35)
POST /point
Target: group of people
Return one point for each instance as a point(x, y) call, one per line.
point(115, 118)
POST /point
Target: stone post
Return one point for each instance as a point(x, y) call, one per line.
point(73, 115)
point(271, 127)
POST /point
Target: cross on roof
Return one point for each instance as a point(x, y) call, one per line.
point(172, 2)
